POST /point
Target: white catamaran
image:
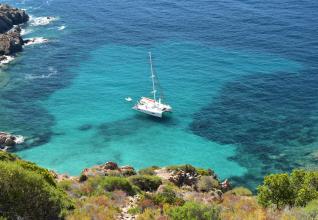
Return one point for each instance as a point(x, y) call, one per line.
point(153, 106)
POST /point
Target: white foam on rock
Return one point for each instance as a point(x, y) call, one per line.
point(25, 31)
point(19, 139)
point(35, 40)
point(41, 21)
point(6, 59)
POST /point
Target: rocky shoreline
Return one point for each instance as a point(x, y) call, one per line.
point(8, 140)
point(183, 175)
point(11, 41)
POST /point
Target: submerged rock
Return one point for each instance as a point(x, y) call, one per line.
point(85, 127)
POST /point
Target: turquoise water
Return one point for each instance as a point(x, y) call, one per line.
point(239, 95)
point(190, 73)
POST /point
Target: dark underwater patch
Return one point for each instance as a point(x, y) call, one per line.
point(85, 127)
point(131, 125)
point(271, 118)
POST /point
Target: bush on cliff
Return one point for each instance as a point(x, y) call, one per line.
point(296, 189)
point(204, 172)
point(95, 207)
point(276, 190)
point(305, 184)
point(207, 183)
point(112, 183)
point(240, 191)
point(148, 170)
point(167, 196)
point(187, 168)
point(311, 209)
point(195, 211)
point(4, 156)
point(8, 157)
point(146, 182)
point(28, 194)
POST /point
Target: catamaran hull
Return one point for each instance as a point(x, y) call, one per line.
point(156, 114)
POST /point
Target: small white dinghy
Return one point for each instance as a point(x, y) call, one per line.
point(128, 99)
point(153, 106)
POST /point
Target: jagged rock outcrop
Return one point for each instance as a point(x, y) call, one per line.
point(11, 42)
point(109, 168)
point(11, 16)
point(186, 175)
point(10, 34)
point(7, 140)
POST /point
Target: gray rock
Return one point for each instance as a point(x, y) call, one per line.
point(11, 42)
point(9, 142)
point(10, 35)
point(2, 140)
point(11, 16)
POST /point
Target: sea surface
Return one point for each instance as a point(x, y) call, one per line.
point(241, 76)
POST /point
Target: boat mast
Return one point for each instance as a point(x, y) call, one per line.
point(152, 78)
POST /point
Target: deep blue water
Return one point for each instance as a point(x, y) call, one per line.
point(240, 75)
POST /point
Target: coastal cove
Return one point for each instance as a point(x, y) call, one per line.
point(124, 136)
point(242, 86)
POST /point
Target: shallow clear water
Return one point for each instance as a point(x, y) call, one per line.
point(241, 77)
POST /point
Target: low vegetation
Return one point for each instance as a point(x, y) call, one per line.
point(148, 170)
point(192, 210)
point(146, 182)
point(31, 192)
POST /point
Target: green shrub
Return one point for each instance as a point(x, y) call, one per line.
point(134, 210)
point(240, 191)
point(148, 170)
point(66, 184)
point(129, 173)
point(305, 185)
point(311, 209)
point(28, 194)
point(8, 157)
point(194, 211)
point(295, 190)
point(186, 168)
point(167, 196)
point(35, 168)
point(112, 183)
point(191, 169)
point(207, 183)
point(5, 156)
point(276, 190)
point(204, 172)
point(146, 182)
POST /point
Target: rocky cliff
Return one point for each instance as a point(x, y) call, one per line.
point(10, 37)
